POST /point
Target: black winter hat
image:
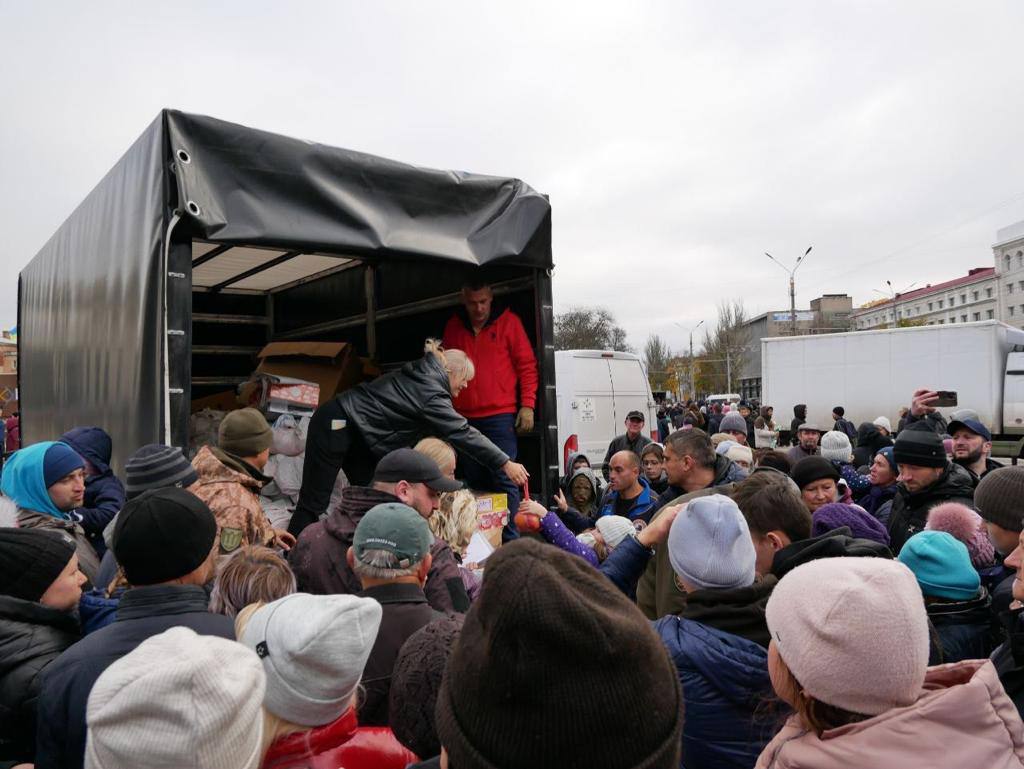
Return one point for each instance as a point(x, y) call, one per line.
point(549, 660)
point(811, 469)
point(1000, 497)
point(919, 445)
point(31, 559)
point(163, 534)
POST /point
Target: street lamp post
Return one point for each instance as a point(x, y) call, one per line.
point(894, 295)
point(693, 375)
point(792, 285)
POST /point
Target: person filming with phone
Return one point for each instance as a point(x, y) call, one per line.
point(926, 477)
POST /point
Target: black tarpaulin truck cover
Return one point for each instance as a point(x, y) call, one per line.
point(92, 319)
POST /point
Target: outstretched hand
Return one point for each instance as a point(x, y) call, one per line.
point(516, 473)
point(560, 501)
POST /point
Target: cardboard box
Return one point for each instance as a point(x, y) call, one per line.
point(222, 401)
point(492, 514)
point(333, 366)
point(275, 395)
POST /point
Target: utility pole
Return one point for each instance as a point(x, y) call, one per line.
point(693, 375)
point(728, 371)
point(792, 285)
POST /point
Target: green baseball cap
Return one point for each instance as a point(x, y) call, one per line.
point(396, 528)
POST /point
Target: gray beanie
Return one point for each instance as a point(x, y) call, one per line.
point(709, 544)
point(314, 649)
point(1000, 497)
point(836, 446)
point(733, 421)
point(178, 699)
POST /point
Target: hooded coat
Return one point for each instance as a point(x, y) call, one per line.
point(909, 511)
point(319, 557)
point(104, 492)
point(962, 718)
point(869, 441)
point(22, 482)
point(31, 637)
point(724, 675)
point(799, 417)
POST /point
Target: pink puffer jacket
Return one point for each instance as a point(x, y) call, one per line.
point(962, 719)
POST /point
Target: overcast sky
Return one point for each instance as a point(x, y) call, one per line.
point(678, 141)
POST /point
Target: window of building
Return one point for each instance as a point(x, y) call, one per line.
point(963, 318)
point(1011, 309)
point(929, 306)
point(1020, 285)
point(963, 298)
point(977, 316)
point(1009, 288)
point(1020, 258)
point(989, 314)
point(975, 294)
point(942, 323)
point(988, 293)
point(1006, 262)
point(941, 303)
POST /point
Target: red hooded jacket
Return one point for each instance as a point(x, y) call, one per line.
point(342, 743)
point(502, 355)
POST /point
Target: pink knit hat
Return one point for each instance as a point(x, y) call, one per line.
point(829, 618)
point(967, 526)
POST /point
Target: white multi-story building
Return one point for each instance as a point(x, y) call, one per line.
point(974, 296)
point(1009, 256)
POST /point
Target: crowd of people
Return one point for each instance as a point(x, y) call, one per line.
point(713, 599)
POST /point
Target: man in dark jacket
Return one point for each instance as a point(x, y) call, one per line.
point(164, 541)
point(838, 543)
point(104, 492)
point(972, 446)
point(629, 493)
point(1008, 657)
point(869, 441)
point(319, 557)
point(364, 423)
point(926, 479)
point(799, 417)
point(694, 469)
point(632, 440)
point(390, 555)
point(842, 424)
point(997, 499)
point(719, 643)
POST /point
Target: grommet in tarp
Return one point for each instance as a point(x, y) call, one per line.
point(193, 208)
point(183, 156)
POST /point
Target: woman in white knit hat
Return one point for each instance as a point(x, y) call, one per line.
point(313, 649)
point(849, 653)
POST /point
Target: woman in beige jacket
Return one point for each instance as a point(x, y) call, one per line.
point(849, 653)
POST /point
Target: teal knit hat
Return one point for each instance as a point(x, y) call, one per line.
point(942, 565)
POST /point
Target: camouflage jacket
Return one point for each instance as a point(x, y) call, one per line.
point(233, 496)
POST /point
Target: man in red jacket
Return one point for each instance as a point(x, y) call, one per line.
point(496, 342)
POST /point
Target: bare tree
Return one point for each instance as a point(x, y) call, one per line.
point(656, 357)
point(589, 328)
point(725, 348)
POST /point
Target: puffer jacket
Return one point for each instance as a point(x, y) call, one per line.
point(909, 512)
point(104, 492)
point(964, 630)
point(31, 637)
point(231, 490)
point(400, 408)
point(341, 743)
point(725, 680)
point(962, 718)
point(319, 557)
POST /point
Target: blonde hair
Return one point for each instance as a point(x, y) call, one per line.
point(455, 362)
point(440, 452)
point(252, 573)
point(455, 519)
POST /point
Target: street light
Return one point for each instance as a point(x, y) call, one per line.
point(894, 295)
point(792, 284)
point(693, 376)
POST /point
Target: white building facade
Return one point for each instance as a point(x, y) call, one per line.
point(1009, 257)
point(966, 299)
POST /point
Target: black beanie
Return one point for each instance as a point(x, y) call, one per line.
point(163, 534)
point(1000, 497)
point(555, 667)
point(811, 469)
point(31, 559)
point(919, 445)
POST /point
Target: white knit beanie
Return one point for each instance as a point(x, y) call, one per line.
point(738, 453)
point(178, 699)
point(314, 649)
point(614, 529)
point(853, 631)
point(883, 422)
point(836, 446)
point(709, 544)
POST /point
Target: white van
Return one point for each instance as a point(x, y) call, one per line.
point(722, 398)
point(595, 389)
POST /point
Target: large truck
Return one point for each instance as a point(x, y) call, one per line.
point(209, 240)
point(874, 373)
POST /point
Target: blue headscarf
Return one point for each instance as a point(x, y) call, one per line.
point(23, 479)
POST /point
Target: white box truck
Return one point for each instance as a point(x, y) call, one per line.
point(874, 373)
point(594, 390)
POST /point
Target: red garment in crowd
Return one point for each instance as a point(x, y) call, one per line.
point(502, 356)
point(12, 433)
point(342, 743)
